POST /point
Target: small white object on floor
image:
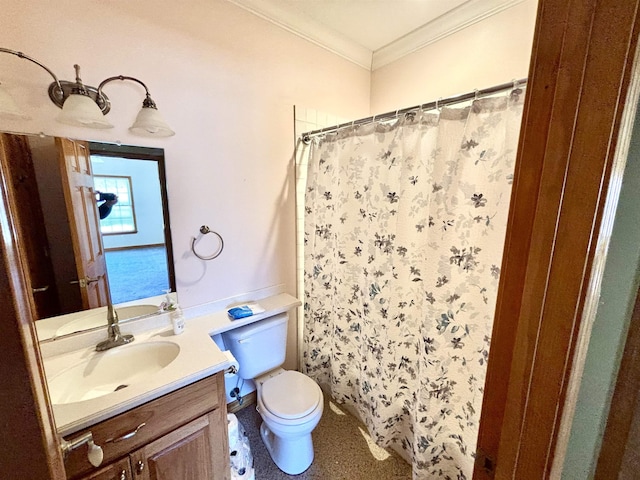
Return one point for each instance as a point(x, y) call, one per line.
point(239, 451)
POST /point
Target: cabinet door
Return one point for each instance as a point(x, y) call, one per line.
point(196, 451)
point(116, 471)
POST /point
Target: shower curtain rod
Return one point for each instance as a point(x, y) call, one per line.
point(306, 137)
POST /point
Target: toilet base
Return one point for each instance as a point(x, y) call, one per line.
point(291, 455)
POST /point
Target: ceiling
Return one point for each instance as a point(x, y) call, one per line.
point(373, 33)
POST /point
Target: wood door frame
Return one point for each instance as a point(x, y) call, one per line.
point(578, 81)
point(31, 448)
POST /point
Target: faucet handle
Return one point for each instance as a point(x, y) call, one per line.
point(114, 341)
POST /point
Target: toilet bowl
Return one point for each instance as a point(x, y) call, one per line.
point(289, 402)
point(290, 405)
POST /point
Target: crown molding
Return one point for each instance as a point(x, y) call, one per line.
point(470, 12)
point(451, 22)
point(309, 30)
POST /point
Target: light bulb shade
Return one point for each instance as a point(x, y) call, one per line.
point(149, 123)
point(9, 108)
point(82, 111)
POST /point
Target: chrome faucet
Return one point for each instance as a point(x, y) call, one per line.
point(115, 338)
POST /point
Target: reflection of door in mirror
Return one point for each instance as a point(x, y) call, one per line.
point(79, 194)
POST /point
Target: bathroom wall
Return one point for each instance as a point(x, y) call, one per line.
point(226, 81)
point(493, 51)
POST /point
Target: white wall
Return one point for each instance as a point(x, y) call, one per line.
point(491, 52)
point(226, 81)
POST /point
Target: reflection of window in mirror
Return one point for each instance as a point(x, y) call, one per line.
point(133, 233)
point(122, 217)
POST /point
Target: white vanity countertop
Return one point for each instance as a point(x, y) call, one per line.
point(199, 357)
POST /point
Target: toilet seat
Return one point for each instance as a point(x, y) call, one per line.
point(290, 395)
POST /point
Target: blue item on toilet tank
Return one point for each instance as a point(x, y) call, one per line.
point(244, 311)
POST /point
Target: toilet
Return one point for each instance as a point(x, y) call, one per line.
point(289, 402)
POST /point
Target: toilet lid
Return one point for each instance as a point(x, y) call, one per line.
point(290, 395)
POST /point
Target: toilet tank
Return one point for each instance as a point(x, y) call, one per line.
point(258, 347)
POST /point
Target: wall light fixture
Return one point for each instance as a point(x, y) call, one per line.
point(86, 106)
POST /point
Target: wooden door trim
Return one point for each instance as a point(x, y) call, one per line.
point(579, 76)
point(593, 300)
point(30, 447)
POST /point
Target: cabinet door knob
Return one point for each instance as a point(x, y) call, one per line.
point(139, 467)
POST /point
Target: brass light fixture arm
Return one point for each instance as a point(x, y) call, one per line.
point(80, 112)
point(59, 90)
point(147, 103)
point(33, 60)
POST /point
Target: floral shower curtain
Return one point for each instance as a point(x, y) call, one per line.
point(404, 232)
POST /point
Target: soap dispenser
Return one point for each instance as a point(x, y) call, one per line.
point(177, 320)
point(175, 313)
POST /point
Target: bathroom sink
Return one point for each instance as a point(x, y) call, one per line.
point(99, 318)
point(110, 371)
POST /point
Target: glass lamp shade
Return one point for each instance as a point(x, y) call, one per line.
point(9, 108)
point(149, 123)
point(82, 111)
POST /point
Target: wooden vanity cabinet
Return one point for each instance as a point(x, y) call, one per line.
point(120, 470)
point(180, 436)
point(180, 453)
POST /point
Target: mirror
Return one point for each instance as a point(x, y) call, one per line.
point(76, 259)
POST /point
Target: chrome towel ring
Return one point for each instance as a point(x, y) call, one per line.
point(204, 230)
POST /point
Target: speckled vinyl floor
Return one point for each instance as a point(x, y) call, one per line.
point(343, 450)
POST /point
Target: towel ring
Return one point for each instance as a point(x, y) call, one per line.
point(204, 230)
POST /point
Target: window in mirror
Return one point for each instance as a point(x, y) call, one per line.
point(118, 217)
